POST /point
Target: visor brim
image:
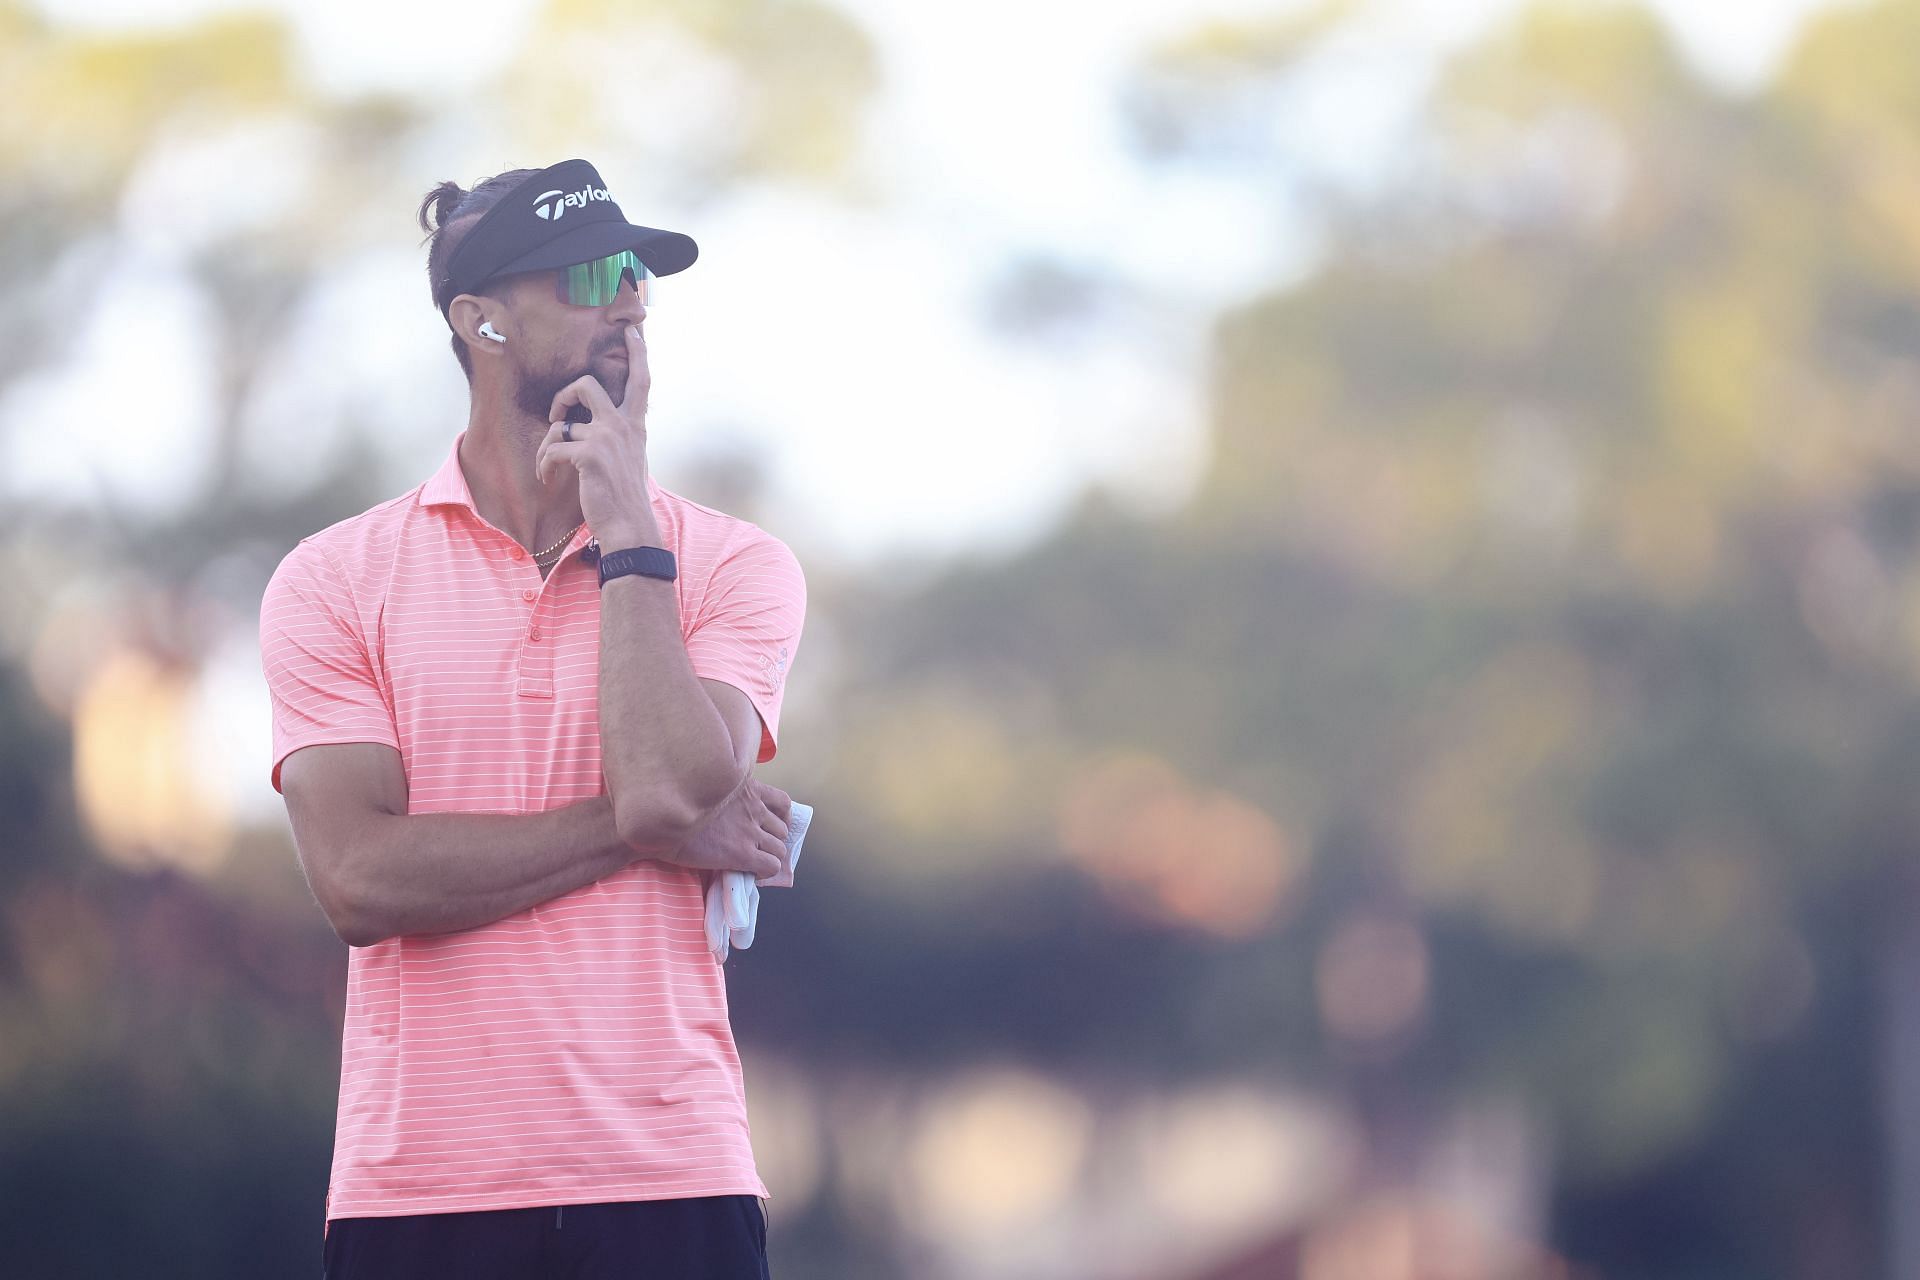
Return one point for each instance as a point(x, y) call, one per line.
point(664, 252)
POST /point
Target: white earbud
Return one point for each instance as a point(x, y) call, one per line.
point(486, 331)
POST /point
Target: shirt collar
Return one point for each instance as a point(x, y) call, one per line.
point(449, 483)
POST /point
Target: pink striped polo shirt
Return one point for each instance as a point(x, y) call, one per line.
point(578, 1051)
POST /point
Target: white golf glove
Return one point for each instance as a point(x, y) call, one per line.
point(733, 897)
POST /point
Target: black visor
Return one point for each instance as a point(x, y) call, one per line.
point(559, 216)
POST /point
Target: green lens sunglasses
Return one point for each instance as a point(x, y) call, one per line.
point(596, 283)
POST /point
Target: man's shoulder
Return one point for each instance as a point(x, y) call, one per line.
point(699, 512)
point(718, 531)
point(349, 540)
point(346, 550)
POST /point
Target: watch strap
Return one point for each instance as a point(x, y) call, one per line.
point(651, 562)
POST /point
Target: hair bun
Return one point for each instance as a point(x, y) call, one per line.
point(441, 202)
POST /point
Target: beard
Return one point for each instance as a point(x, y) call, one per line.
point(534, 390)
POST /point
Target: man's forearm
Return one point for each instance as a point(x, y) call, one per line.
point(664, 747)
point(442, 872)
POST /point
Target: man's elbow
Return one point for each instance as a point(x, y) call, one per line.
point(659, 822)
point(355, 935)
point(351, 898)
point(656, 828)
point(352, 923)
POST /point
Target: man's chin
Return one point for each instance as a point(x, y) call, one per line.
point(616, 384)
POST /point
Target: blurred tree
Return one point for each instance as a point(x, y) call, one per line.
point(1553, 584)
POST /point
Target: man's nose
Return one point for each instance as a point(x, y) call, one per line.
point(626, 306)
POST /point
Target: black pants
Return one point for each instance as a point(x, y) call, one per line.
point(700, 1238)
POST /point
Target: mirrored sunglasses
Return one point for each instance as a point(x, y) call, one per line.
point(596, 283)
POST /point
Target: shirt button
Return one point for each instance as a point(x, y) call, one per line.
point(527, 594)
point(534, 634)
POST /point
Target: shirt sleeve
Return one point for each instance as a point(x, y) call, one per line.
point(749, 626)
point(319, 671)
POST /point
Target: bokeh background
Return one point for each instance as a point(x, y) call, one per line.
point(1360, 687)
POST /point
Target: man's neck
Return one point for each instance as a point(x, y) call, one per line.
point(497, 459)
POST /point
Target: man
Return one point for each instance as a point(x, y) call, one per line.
point(515, 715)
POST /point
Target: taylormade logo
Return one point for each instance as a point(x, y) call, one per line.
point(552, 204)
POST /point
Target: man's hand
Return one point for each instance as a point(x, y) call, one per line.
point(609, 451)
point(747, 833)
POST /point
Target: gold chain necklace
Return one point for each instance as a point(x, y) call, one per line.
point(568, 537)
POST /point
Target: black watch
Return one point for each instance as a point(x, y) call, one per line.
point(653, 562)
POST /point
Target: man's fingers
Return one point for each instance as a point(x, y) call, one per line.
point(551, 454)
point(760, 860)
point(777, 800)
point(774, 811)
point(565, 399)
point(639, 379)
point(540, 451)
point(586, 390)
point(583, 390)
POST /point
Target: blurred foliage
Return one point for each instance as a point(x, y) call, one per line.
point(1521, 706)
point(1219, 78)
point(1554, 581)
point(100, 100)
point(779, 84)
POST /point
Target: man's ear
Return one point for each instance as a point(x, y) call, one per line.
point(467, 312)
